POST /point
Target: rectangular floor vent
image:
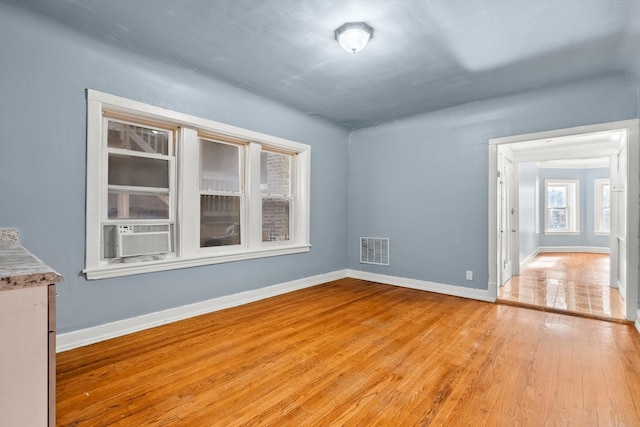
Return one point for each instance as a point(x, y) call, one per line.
point(374, 250)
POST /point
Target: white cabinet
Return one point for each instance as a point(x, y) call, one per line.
point(27, 338)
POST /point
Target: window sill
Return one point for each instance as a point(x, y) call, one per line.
point(561, 233)
point(601, 233)
point(119, 270)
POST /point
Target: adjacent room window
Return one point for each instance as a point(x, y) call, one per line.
point(167, 190)
point(562, 206)
point(602, 206)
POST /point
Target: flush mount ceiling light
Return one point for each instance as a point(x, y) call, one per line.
point(354, 36)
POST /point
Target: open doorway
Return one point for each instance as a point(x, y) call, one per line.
point(539, 244)
point(574, 282)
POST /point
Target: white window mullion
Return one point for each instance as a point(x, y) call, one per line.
point(188, 230)
point(253, 209)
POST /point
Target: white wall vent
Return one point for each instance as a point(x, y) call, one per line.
point(143, 239)
point(374, 250)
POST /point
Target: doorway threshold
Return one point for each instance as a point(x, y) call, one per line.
point(563, 311)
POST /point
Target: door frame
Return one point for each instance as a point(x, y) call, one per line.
point(632, 205)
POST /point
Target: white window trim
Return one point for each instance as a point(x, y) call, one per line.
point(573, 206)
point(597, 217)
point(187, 251)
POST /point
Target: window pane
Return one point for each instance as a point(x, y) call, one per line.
point(138, 171)
point(556, 196)
point(219, 167)
point(123, 204)
point(137, 138)
point(275, 220)
point(606, 218)
point(219, 220)
point(275, 173)
point(557, 219)
point(605, 196)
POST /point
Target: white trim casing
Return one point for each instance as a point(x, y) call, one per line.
point(630, 127)
point(118, 270)
point(588, 249)
point(94, 200)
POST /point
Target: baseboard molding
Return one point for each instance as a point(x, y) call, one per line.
point(458, 291)
point(82, 337)
point(589, 249)
point(622, 289)
point(637, 323)
point(529, 258)
point(70, 340)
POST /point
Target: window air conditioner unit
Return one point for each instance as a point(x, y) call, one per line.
point(143, 239)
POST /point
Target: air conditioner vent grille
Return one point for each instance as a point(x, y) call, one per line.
point(374, 250)
point(150, 228)
point(143, 239)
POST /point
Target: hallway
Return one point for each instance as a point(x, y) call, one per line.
point(566, 282)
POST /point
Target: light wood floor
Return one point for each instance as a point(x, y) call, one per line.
point(572, 282)
point(357, 353)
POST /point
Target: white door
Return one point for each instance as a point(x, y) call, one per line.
point(506, 213)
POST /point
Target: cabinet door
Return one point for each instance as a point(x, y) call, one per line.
point(24, 357)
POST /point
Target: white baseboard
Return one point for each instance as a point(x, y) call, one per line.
point(458, 291)
point(590, 249)
point(529, 258)
point(622, 289)
point(92, 335)
point(82, 337)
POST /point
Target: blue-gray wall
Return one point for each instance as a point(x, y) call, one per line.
point(423, 182)
point(587, 237)
point(44, 71)
point(529, 239)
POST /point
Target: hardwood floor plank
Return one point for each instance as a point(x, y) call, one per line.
point(358, 353)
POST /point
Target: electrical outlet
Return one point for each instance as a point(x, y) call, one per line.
point(469, 275)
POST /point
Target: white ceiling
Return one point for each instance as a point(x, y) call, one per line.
point(425, 54)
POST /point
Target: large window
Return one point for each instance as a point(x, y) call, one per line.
point(562, 206)
point(602, 206)
point(167, 190)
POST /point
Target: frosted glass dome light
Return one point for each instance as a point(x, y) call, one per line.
point(354, 36)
